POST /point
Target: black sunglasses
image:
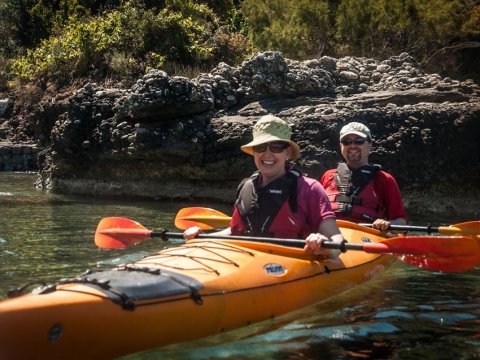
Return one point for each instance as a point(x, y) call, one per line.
point(357, 141)
point(275, 147)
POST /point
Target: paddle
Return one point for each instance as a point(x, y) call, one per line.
point(470, 228)
point(448, 254)
point(205, 218)
point(208, 219)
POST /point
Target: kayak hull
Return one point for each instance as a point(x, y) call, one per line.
point(236, 283)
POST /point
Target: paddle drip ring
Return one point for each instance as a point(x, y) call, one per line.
point(429, 229)
point(163, 234)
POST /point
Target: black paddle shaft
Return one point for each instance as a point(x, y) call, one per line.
point(342, 246)
point(428, 229)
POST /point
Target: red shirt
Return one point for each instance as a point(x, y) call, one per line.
point(313, 204)
point(386, 190)
point(313, 207)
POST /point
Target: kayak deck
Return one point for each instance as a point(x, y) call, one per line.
point(199, 289)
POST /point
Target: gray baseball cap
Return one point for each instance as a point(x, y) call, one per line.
point(357, 129)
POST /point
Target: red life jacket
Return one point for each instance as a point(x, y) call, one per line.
point(267, 211)
point(352, 194)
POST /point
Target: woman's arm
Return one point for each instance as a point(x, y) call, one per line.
point(193, 231)
point(327, 231)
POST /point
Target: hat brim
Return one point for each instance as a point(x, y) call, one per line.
point(355, 133)
point(248, 148)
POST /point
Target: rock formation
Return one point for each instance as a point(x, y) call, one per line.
point(177, 138)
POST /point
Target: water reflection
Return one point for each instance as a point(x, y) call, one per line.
point(46, 236)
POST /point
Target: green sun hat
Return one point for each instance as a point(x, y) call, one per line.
point(271, 128)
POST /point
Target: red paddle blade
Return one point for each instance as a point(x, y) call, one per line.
point(118, 232)
point(205, 218)
point(469, 228)
point(440, 253)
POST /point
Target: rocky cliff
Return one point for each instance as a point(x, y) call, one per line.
point(177, 138)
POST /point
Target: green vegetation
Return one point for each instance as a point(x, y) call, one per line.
point(373, 28)
point(125, 41)
point(60, 41)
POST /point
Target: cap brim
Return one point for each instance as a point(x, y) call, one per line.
point(355, 133)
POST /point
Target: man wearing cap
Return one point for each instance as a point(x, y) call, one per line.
point(358, 190)
point(277, 201)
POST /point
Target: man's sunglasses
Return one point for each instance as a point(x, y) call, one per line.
point(357, 141)
point(275, 147)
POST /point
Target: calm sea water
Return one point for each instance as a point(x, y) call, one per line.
point(405, 313)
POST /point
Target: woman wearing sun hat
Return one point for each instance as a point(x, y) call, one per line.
point(277, 201)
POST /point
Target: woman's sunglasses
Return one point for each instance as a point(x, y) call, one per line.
point(275, 147)
point(357, 141)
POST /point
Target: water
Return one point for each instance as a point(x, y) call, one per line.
point(405, 313)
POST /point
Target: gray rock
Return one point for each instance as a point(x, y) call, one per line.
point(5, 107)
point(178, 138)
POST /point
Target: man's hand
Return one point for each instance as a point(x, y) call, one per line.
point(381, 224)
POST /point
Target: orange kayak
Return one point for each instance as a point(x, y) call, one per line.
point(202, 288)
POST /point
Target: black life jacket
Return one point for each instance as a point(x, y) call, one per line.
point(259, 207)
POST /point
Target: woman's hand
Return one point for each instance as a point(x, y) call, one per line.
point(191, 232)
point(313, 244)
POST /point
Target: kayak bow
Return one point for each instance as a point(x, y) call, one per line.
point(202, 288)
